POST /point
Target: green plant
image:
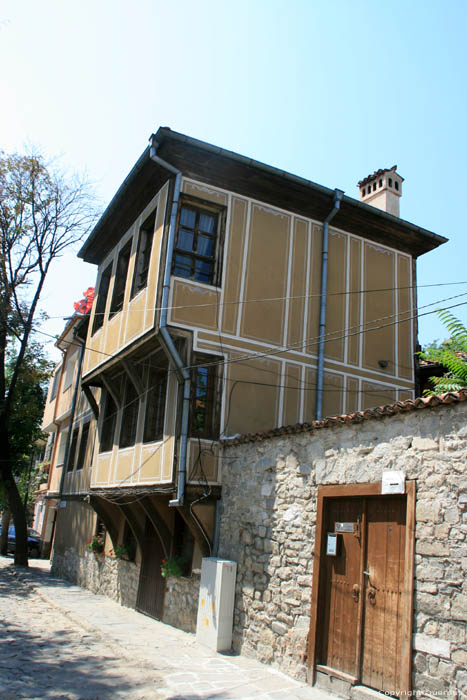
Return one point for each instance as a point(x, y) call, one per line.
point(173, 567)
point(451, 354)
point(120, 552)
point(96, 544)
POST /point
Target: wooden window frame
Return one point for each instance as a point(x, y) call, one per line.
point(211, 429)
point(201, 205)
point(83, 444)
point(120, 279)
point(109, 422)
point(143, 253)
point(362, 490)
point(101, 300)
point(130, 414)
point(72, 453)
point(160, 389)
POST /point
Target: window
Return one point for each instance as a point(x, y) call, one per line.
point(155, 405)
point(204, 398)
point(72, 453)
point(53, 393)
point(108, 424)
point(61, 447)
point(120, 280)
point(195, 249)
point(70, 370)
point(143, 254)
point(102, 299)
point(83, 446)
point(129, 415)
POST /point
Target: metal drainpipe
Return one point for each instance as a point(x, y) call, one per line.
point(338, 194)
point(171, 351)
point(74, 401)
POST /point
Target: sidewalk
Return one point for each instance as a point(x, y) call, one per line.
point(187, 670)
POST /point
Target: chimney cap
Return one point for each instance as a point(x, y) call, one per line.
point(378, 173)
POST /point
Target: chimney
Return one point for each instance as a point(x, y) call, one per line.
point(383, 190)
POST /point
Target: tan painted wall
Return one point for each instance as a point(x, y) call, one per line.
point(268, 303)
point(137, 314)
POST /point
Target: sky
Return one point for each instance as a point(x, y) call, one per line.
point(330, 90)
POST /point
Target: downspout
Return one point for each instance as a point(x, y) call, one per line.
point(167, 343)
point(338, 194)
point(74, 401)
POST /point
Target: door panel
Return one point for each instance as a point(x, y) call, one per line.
point(151, 588)
point(382, 626)
point(361, 591)
point(341, 600)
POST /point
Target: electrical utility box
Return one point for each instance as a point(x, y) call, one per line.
point(216, 603)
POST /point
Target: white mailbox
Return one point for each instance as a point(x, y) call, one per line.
point(216, 603)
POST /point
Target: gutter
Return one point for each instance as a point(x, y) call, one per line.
point(72, 413)
point(338, 195)
point(167, 343)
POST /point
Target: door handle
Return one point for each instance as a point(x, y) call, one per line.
point(356, 592)
point(372, 596)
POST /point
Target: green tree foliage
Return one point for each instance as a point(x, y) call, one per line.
point(42, 214)
point(451, 354)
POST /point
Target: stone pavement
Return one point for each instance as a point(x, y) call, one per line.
point(62, 642)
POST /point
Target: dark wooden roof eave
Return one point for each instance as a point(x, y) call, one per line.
point(244, 176)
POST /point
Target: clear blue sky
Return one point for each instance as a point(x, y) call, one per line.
point(327, 89)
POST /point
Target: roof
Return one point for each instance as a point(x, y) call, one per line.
point(378, 173)
point(245, 176)
point(394, 409)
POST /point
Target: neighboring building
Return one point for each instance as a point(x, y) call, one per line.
point(344, 576)
point(67, 456)
point(206, 324)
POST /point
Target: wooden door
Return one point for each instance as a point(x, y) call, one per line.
point(361, 591)
point(383, 594)
point(151, 588)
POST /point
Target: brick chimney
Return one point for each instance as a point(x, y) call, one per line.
point(383, 190)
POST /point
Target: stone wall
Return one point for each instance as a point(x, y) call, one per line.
point(181, 602)
point(268, 527)
point(116, 578)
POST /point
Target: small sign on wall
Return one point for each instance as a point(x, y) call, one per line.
point(393, 482)
point(332, 544)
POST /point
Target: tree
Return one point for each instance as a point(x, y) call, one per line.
point(451, 354)
point(25, 422)
point(42, 213)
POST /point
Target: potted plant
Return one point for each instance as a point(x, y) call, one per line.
point(96, 544)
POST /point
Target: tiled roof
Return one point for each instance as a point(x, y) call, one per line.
point(377, 173)
point(393, 409)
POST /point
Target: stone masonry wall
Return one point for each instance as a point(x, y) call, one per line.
point(181, 603)
point(116, 578)
point(268, 528)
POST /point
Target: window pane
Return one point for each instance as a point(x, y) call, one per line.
point(72, 452)
point(155, 406)
point(185, 239)
point(182, 266)
point(102, 299)
point(120, 279)
point(207, 223)
point(82, 446)
point(129, 416)
point(203, 271)
point(205, 245)
point(188, 217)
point(108, 424)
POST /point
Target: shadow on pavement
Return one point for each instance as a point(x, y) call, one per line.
point(58, 662)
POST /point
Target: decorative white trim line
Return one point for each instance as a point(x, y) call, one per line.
point(280, 408)
point(302, 393)
point(328, 361)
point(396, 315)
point(347, 302)
point(241, 296)
point(306, 301)
point(362, 304)
point(220, 308)
point(290, 253)
point(295, 215)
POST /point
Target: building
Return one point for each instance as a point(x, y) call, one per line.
point(232, 297)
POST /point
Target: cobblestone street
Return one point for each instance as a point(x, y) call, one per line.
point(60, 641)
